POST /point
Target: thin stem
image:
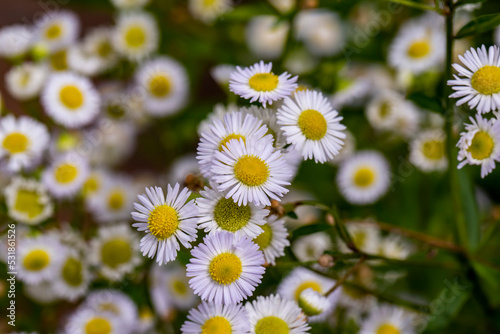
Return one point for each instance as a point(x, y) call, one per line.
point(341, 280)
point(415, 5)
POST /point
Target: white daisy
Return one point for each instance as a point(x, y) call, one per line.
point(312, 126)
point(258, 83)
point(251, 172)
point(182, 167)
point(395, 247)
point(88, 321)
point(218, 213)
point(57, 30)
point(22, 142)
point(94, 183)
point(314, 304)
point(98, 42)
point(301, 279)
point(210, 318)
point(365, 236)
point(300, 62)
point(15, 40)
point(266, 36)
point(389, 111)
point(221, 74)
point(114, 251)
point(209, 11)
point(311, 247)
point(66, 175)
point(480, 144)
point(428, 151)
point(350, 91)
point(164, 82)
point(363, 178)
point(27, 201)
point(25, 81)
point(129, 4)
point(136, 35)
point(73, 278)
point(166, 221)
point(70, 99)
point(273, 241)
point(478, 83)
point(82, 62)
point(268, 117)
point(387, 319)
point(225, 268)
point(273, 314)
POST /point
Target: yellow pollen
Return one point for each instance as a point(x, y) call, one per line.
point(419, 49)
point(433, 149)
point(179, 287)
point(91, 185)
point(251, 170)
point(264, 239)
point(263, 82)
point(306, 285)
point(163, 221)
point(225, 268)
point(486, 80)
point(230, 216)
point(58, 60)
point(28, 202)
point(16, 142)
point(65, 173)
point(72, 272)
point(312, 124)
point(116, 200)
point(116, 252)
point(226, 140)
point(36, 260)
point(387, 329)
point(159, 85)
point(272, 325)
point(98, 325)
point(53, 32)
point(364, 177)
point(481, 146)
point(71, 97)
point(216, 325)
point(135, 36)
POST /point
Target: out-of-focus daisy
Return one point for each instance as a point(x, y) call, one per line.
point(166, 221)
point(221, 74)
point(312, 126)
point(98, 42)
point(387, 319)
point(273, 314)
point(218, 113)
point(301, 279)
point(166, 85)
point(350, 91)
point(259, 83)
point(311, 247)
point(25, 81)
point(146, 321)
point(88, 321)
point(347, 150)
point(356, 301)
point(365, 236)
point(479, 144)
point(268, 117)
point(128, 4)
point(478, 83)
point(73, 278)
point(114, 251)
point(94, 183)
point(363, 178)
point(22, 142)
point(225, 268)
point(395, 247)
point(27, 201)
point(320, 30)
point(182, 167)
point(218, 213)
point(70, 99)
point(66, 175)
point(266, 36)
point(211, 318)
point(136, 35)
point(427, 151)
point(82, 62)
point(42, 293)
point(313, 303)
point(283, 6)
point(209, 10)
point(39, 258)
point(273, 241)
point(57, 30)
point(15, 40)
point(251, 172)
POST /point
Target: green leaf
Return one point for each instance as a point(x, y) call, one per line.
point(479, 25)
point(309, 229)
point(489, 280)
point(469, 208)
point(426, 102)
point(292, 215)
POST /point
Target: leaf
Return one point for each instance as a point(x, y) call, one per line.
point(469, 208)
point(309, 229)
point(292, 215)
point(479, 25)
point(489, 280)
point(426, 102)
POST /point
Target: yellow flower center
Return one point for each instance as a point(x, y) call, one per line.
point(486, 80)
point(36, 260)
point(159, 85)
point(72, 272)
point(385, 109)
point(387, 329)
point(312, 124)
point(251, 170)
point(28, 202)
point(91, 185)
point(231, 217)
point(116, 111)
point(16, 142)
point(481, 146)
point(179, 287)
point(53, 31)
point(216, 325)
point(306, 285)
point(58, 60)
point(364, 177)
point(66, 173)
point(209, 3)
point(104, 49)
point(433, 149)
point(228, 138)
point(109, 307)
point(359, 238)
point(67, 141)
point(419, 49)
point(225, 268)
point(263, 82)
point(264, 239)
point(163, 221)
point(98, 325)
point(116, 252)
point(116, 199)
point(272, 325)
point(71, 97)
point(135, 36)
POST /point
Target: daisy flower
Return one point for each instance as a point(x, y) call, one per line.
point(42, 293)
point(350, 91)
point(166, 85)
point(82, 62)
point(209, 11)
point(15, 40)
point(312, 126)
point(86, 321)
point(27, 201)
point(480, 144)
point(365, 236)
point(57, 30)
point(301, 279)
point(311, 247)
point(259, 83)
point(428, 151)
point(251, 172)
point(313, 303)
point(98, 42)
point(273, 314)
point(136, 35)
point(116, 303)
point(70, 99)
point(129, 4)
point(266, 36)
point(218, 213)
point(94, 183)
point(395, 247)
point(166, 221)
point(478, 83)
point(22, 142)
point(273, 241)
point(387, 319)
point(66, 175)
point(363, 178)
point(221, 74)
point(225, 268)
point(211, 318)
point(25, 81)
point(73, 278)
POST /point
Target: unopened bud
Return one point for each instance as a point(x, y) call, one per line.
point(194, 182)
point(326, 261)
point(330, 220)
point(276, 208)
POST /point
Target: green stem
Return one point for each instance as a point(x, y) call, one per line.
point(415, 5)
point(346, 275)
